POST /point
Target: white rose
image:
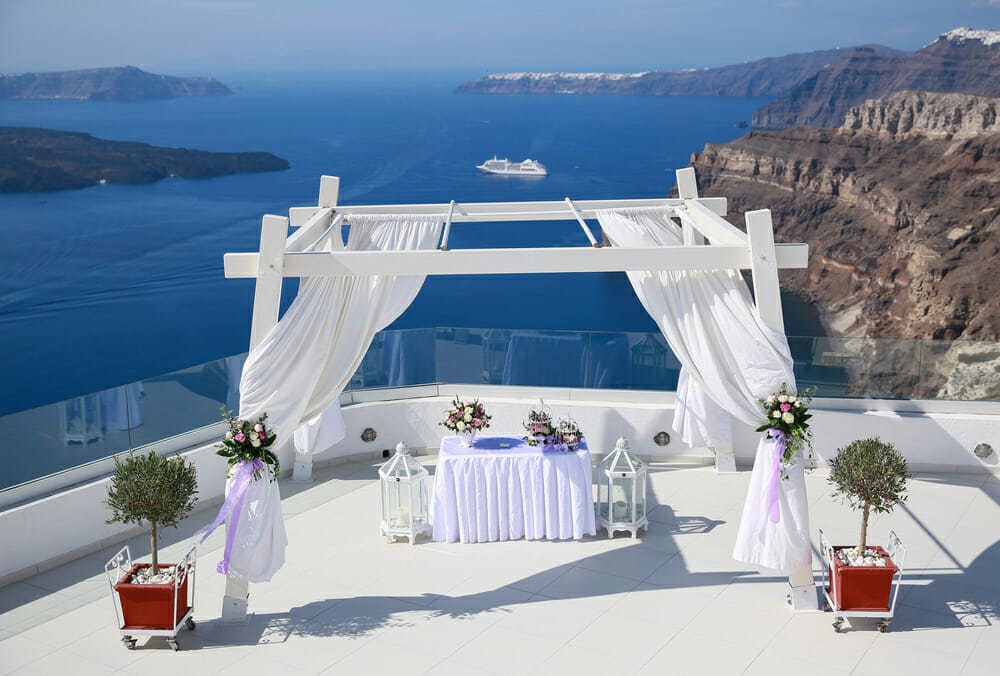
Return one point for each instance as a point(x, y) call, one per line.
point(468, 410)
point(788, 418)
point(460, 425)
point(783, 399)
point(791, 400)
point(777, 414)
point(254, 436)
point(798, 404)
point(468, 417)
point(255, 443)
point(770, 400)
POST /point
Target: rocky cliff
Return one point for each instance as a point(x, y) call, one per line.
point(900, 207)
point(35, 160)
point(962, 60)
point(902, 219)
point(126, 83)
point(773, 76)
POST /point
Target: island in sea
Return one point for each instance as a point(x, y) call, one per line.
point(36, 160)
point(123, 83)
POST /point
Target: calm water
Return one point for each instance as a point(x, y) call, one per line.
point(113, 284)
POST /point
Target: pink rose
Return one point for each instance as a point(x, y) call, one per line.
point(240, 438)
point(785, 408)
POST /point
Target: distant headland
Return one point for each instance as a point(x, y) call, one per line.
point(37, 160)
point(123, 83)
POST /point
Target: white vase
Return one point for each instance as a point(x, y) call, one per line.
point(467, 437)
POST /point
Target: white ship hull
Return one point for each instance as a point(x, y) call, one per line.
point(505, 167)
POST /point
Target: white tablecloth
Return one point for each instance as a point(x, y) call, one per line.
point(489, 492)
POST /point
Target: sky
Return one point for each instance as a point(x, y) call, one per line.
point(187, 37)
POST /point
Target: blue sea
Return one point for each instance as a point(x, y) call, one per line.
point(116, 283)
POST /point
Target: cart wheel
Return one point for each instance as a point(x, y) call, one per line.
point(838, 626)
point(190, 624)
point(172, 642)
point(883, 627)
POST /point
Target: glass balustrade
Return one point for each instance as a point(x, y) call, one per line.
point(67, 434)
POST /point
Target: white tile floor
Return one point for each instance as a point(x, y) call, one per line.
point(672, 602)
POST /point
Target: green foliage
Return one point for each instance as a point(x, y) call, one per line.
point(249, 441)
point(870, 473)
point(151, 489)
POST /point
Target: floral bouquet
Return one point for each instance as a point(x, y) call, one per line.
point(569, 434)
point(540, 428)
point(249, 441)
point(466, 416)
point(787, 415)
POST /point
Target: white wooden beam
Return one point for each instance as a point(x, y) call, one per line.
point(717, 229)
point(524, 211)
point(513, 261)
point(687, 183)
point(269, 274)
point(309, 231)
point(329, 190)
point(764, 268)
point(297, 216)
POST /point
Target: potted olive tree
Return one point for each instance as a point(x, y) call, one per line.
point(158, 491)
point(869, 475)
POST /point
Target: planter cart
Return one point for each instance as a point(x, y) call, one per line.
point(895, 550)
point(120, 567)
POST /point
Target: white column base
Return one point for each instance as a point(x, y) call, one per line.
point(725, 459)
point(302, 469)
point(803, 595)
point(235, 602)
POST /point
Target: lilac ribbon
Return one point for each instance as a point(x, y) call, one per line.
point(233, 508)
point(775, 487)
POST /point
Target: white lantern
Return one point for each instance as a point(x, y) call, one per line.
point(621, 491)
point(404, 496)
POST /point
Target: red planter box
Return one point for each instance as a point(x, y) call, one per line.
point(861, 587)
point(149, 606)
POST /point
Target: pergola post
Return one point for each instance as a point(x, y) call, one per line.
point(767, 293)
point(266, 304)
point(687, 189)
point(329, 191)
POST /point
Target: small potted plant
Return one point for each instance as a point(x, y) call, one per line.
point(159, 491)
point(869, 475)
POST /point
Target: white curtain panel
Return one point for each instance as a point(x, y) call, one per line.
point(305, 362)
point(730, 358)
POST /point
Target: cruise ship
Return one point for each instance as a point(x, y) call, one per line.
point(528, 167)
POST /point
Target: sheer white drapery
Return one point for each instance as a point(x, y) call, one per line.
point(305, 362)
point(730, 358)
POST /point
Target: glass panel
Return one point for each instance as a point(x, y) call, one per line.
point(621, 508)
point(420, 502)
point(640, 496)
point(602, 496)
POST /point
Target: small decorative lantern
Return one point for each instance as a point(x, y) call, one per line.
point(621, 491)
point(404, 496)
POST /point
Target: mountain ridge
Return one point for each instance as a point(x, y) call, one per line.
point(119, 83)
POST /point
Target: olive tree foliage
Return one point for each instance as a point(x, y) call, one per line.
point(151, 489)
point(869, 474)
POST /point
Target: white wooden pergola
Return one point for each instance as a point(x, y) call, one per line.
point(710, 243)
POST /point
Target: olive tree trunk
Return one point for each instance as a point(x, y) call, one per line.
point(156, 566)
point(864, 528)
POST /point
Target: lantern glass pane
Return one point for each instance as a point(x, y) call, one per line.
point(602, 496)
point(399, 509)
point(621, 463)
point(621, 495)
point(420, 503)
point(640, 496)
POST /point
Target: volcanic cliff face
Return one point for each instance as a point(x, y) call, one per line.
point(773, 76)
point(900, 208)
point(962, 60)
